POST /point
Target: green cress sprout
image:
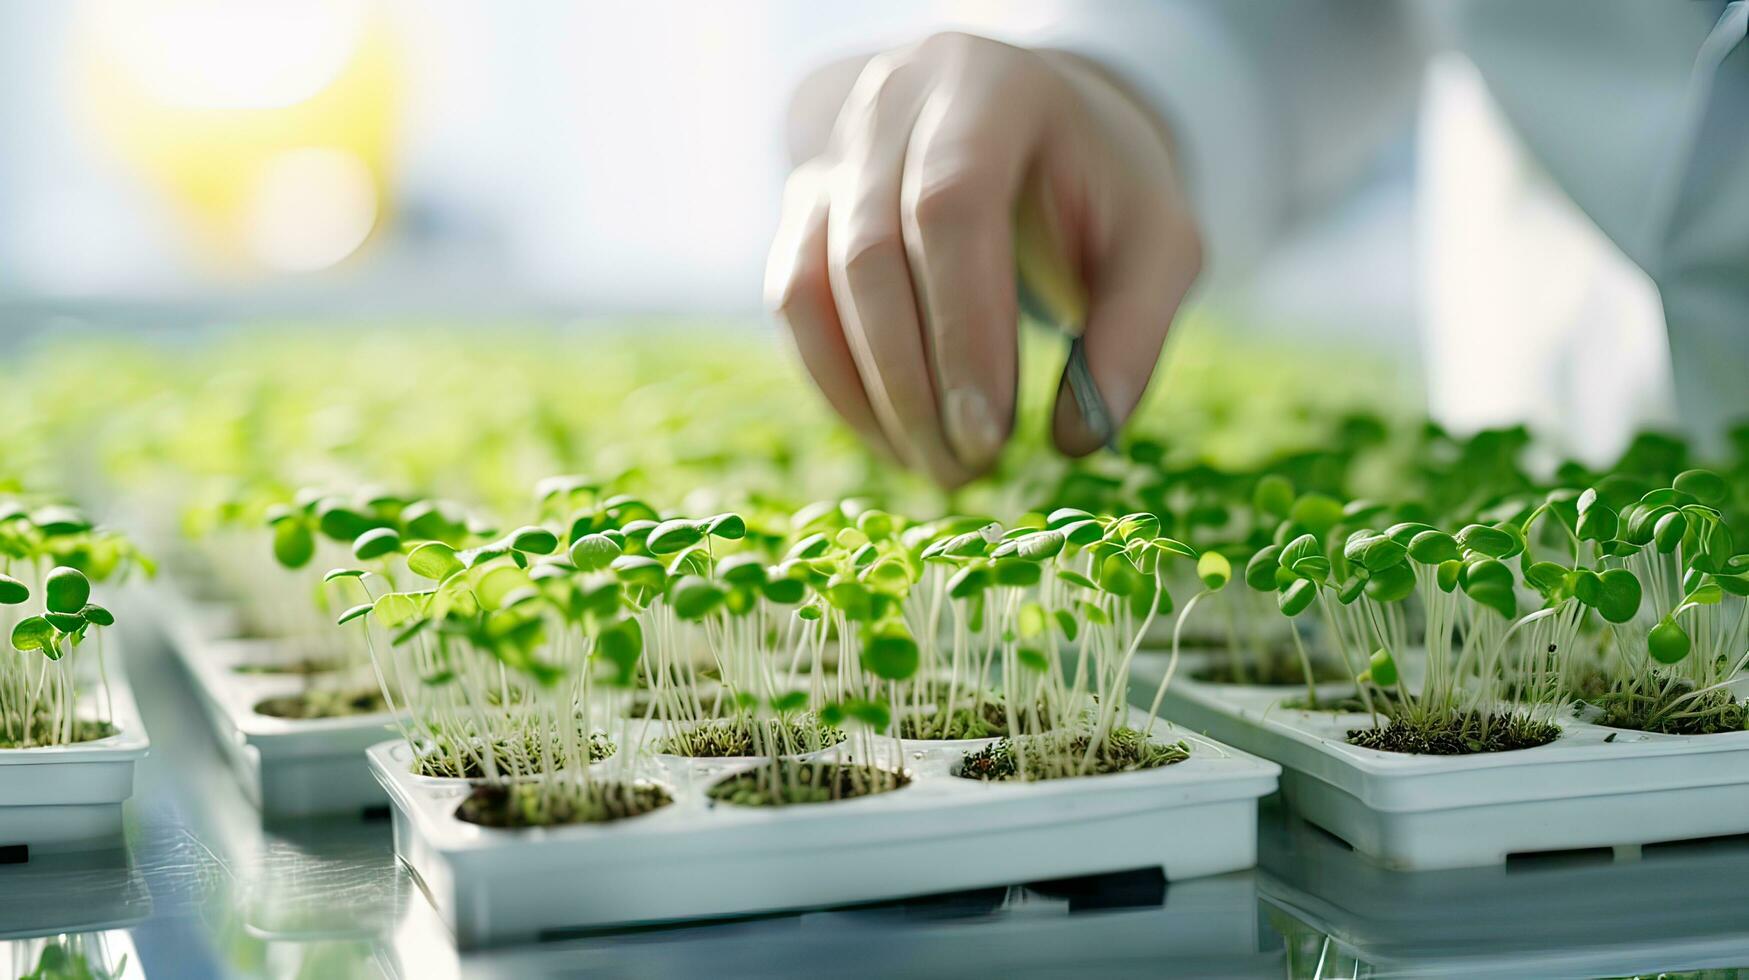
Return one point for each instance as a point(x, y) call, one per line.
point(1664, 573)
point(49, 556)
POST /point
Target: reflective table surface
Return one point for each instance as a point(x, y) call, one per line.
point(205, 889)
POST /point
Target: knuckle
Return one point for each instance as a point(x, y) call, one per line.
point(868, 252)
point(946, 199)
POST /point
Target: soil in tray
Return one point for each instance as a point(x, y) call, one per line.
point(1466, 734)
point(532, 804)
point(732, 737)
point(1272, 672)
point(1058, 755)
point(788, 782)
point(1350, 703)
point(322, 703)
point(83, 731)
point(989, 721)
point(513, 760)
point(1710, 714)
point(713, 706)
point(302, 667)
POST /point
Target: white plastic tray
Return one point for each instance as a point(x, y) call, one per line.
point(288, 768)
point(693, 859)
point(1676, 907)
point(1592, 787)
point(69, 797)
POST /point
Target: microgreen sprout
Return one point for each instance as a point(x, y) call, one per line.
point(48, 614)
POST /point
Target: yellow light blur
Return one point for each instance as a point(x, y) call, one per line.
point(266, 126)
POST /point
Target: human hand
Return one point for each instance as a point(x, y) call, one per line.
point(893, 266)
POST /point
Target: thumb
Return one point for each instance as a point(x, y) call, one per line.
point(1134, 294)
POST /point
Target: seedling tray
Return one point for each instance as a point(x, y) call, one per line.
point(287, 767)
point(68, 798)
point(693, 859)
point(1557, 915)
point(1594, 787)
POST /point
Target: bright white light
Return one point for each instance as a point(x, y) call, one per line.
point(311, 207)
point(231, 54)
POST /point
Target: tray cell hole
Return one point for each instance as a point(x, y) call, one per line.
point(14, 853)
point(374, 814)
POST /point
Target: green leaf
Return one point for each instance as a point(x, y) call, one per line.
point(1393, 584)
point(293, 545)
point(496, 585)
point(65, 622)
point(1305, 558)
point(1667, 642)
point(376, 543)
point(1351, 590)
point(1064, 516)
point(1214, 570)
point(969, 581)
point(812, 546)
point(1139, 525)
point(1667, 534)
point(1273, 495)
point(1737, 585)
point(621, 644)
point(1316, 513)
point(674, 536)
point(395, 609)
point(1380, 553)
point(1076, 579)
point(1118, 576)
point(534, 540)
point(871, 713)
point(12, 591)
point(1489, 582)
point(1067, 624)
point(1260, 571)
point(1015, 572)
point(1619, 595)
point(1703, 485)
point(336, 574)
point(1296, 598)
point(640, 570)
point(1036, 546)
point(593, 552)
point(1448, 574)
point(33, 633)
point(1433, 547)
point(434, 560)
point(66, 590)
point(729, 527)
point(353, 613)
point(1082, 533)
point(1032, 660)
point(340, 522)
point(890, 653)
point(97, 615)
point(1173, 546)
point(1382, 668)
point(1546, 577)
point(1597, 523)
point(1490, 541)
point(790, 703)
point(784, 591)
point(694, 597)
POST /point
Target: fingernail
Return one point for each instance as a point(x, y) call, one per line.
point(971, 427)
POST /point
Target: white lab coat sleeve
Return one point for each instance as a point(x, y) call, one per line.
point(1273, 107)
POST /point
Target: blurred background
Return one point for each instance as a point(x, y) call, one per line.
point(203, 161)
